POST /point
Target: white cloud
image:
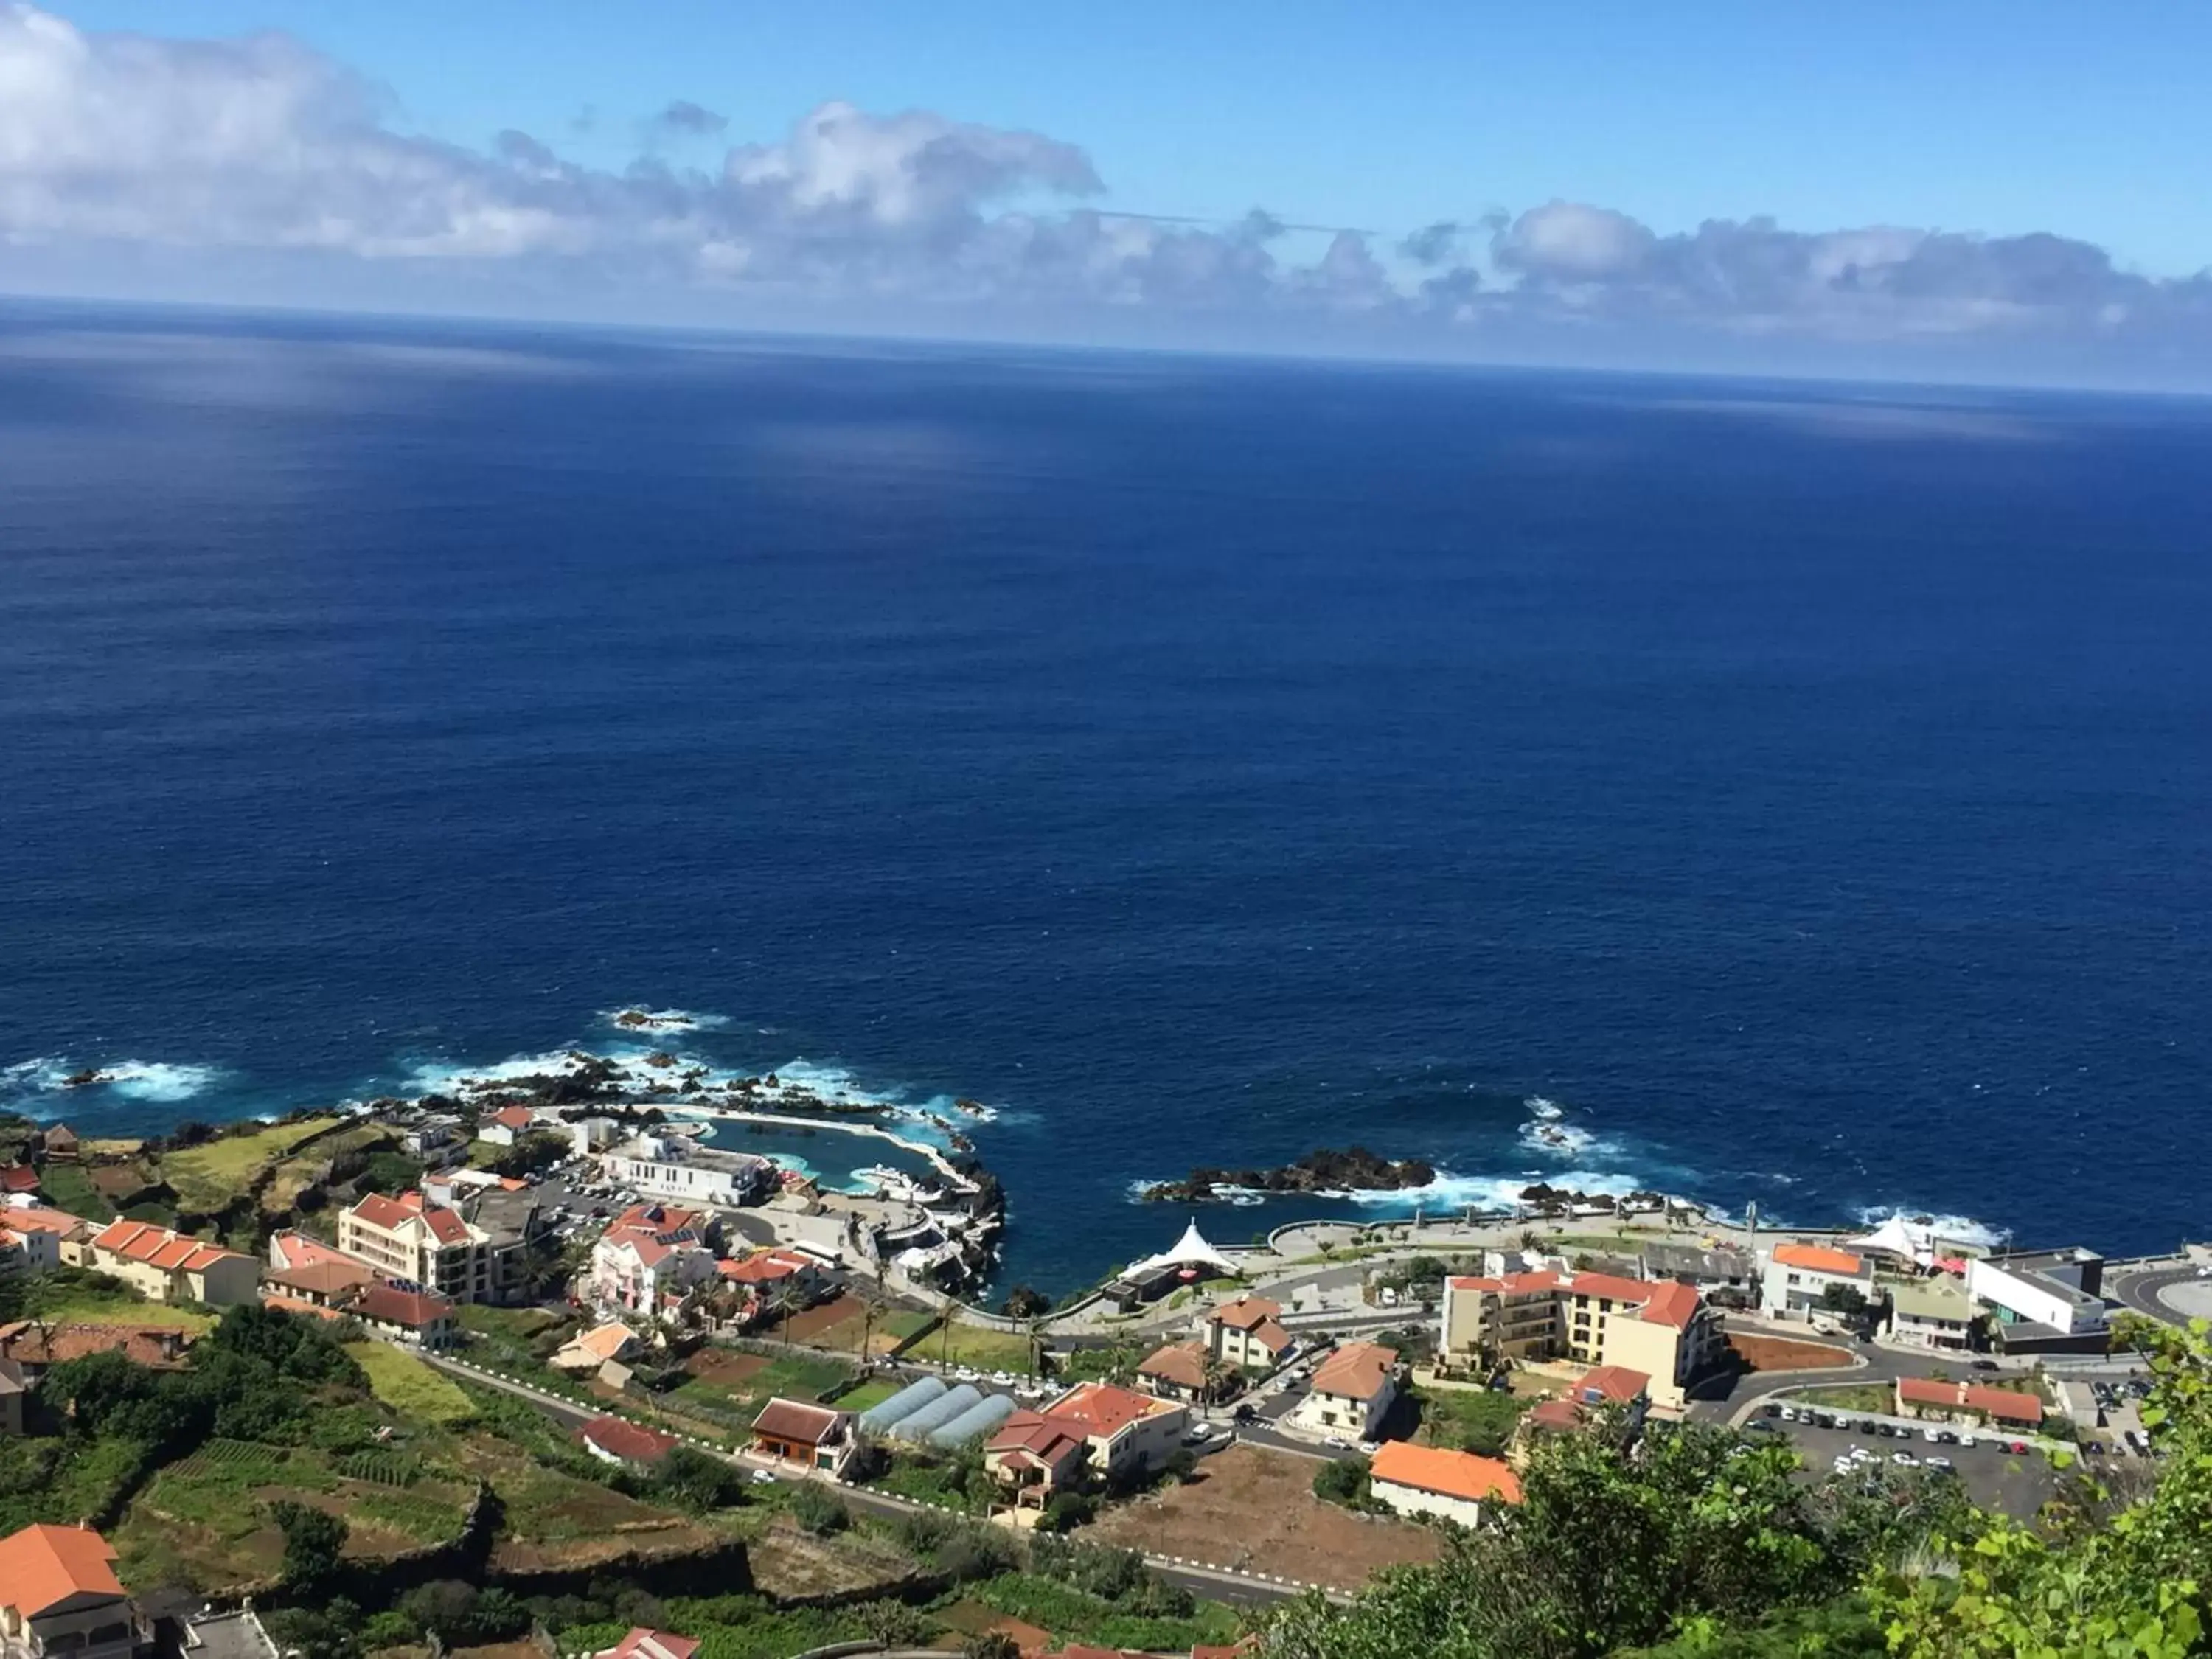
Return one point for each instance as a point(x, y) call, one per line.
point(260, 149)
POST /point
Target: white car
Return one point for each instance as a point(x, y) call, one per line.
point(1903, 1459)
point(1968, 1440)
point(1337, 1443)
point(763, 1477)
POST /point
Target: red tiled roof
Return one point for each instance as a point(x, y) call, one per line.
point(31, 1342)
point(514, 1117)
point(791, 1419)
point(1616, 1384)
point(18, 1178)
point(1671, 1302)
point(643, 1643)
point(630, 1441)
point(765, 1268)
point(1511, 1284)
point(301, 1251)
point(662, 1219)
point(1993, 1402)
point(1554, 1414)
point(1182, 1363)
point(1033, 1432)
point(1451, 1473)
point(157, 1246)
point(387, 1305)
point(1820, 1258)
point(41, 1218)
point(1357, 1370)
point(389, 1214)
point(329, 1278)
point(380, 1211)
point(43, 1567)
point(1248, 1312)
point(1100, 1409)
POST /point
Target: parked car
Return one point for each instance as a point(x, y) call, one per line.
point(1985, 1364)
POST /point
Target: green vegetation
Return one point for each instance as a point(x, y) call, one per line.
point(794, 1376)
point(1846, 1397)
point(1700, 1544)
point(209, 1177)
point(977, 1346)
point(78, 1296)
point(69, 1188)
point(409, 1386)
point(1479, 1420)
point(1077, 1615)
point(873, 1392)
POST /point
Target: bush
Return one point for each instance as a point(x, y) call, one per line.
point(817, 1510)
point(1066, 1510)
point(1342, 1483)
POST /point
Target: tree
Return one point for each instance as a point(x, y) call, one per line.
point(817, 1510)
point(991, 1644)
point(1024, 1302)
point(2133, 1577)
point(314, 1541)
point(1847, 1299)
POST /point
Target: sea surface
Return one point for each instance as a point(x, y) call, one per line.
point(1806, 789)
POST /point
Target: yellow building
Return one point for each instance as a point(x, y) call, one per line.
point(1658, 1327)
point(173, 1267)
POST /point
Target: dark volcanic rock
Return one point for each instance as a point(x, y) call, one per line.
point(1355, 1170)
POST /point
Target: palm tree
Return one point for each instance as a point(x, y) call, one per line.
point(1530, 1240)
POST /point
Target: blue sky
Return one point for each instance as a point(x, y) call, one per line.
point(1979, 120)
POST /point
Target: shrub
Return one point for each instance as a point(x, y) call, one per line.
point(817, 1510)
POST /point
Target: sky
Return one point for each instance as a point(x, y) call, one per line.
point(1973, 190)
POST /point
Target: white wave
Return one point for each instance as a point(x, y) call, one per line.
point(1947, 1228)
point(133, 1079)
point(1543, 1111)
point(1549, 1139)
point(635, 1019)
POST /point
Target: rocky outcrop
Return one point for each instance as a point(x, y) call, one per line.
point(1355, 1170)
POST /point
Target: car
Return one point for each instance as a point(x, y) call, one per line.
point(1903, 1459)
point(1948, 1436)
point(2017, 1448)
point(1760, 1426)
point(1941, 1465)
point(1867, 1425)
point(1932, 1435)
point(1984, 1366)
point(1823, 1419)
point(763, 1477)
point(1770, 1410)
point(1969, 1440)
point(1790, 1414)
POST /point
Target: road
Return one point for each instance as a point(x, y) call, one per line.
point(1242, 1590)
point(2142, 1290)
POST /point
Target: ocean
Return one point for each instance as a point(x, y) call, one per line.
point(1805, 789)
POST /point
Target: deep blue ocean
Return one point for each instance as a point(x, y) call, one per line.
point(1808, 788)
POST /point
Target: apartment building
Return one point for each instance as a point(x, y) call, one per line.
point(173, 1267)
point(426, 1245)
point(1800, 1277)
point(1661, 1327)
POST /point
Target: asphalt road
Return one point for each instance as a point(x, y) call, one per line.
point(2140, 1289)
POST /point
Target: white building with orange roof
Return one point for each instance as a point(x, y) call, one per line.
point(1452, 1486)
point(1659, 1326)
point(1353, 1389)
point(1247, 1334)
point(1124, 1431)
point(173, 1267)
point(651, 1258)
point(51, 1238)
point(1798, 1277)
point(505, 1125)
point(59, 1594)
point(431, 1247)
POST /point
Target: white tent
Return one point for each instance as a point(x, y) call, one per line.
point(1190, 1251)
point(1899, 1237)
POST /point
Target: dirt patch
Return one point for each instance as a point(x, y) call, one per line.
point(1781, 1353)
point(789, 1564)
point(974, 1619)
point(725, 1368)
point(812, 1326)
point(1255, 1511)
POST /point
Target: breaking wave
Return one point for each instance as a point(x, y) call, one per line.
point(159, 1082)
point(1955, 1229)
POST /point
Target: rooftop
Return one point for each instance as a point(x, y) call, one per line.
point(1820, 1258)
point(1357, 1370)
point(1448, 1474)
point(631, 1443)
point(1180, 1364)
point(1101, 1409)
point(43, 1567)
point(793, 1419)
point(1612, 1384)
point(1246, 1312)
point(1941, 1297)
point(2013, 1407)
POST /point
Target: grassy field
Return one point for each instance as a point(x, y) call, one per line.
point(789, 1376)
point(69, 1186)
point(409, 1386)
point(60, 1303)
point(1468, 1419)
point(1846, 1397)
point(294, 1174)
point(873, 1392)
point(209, 1177)
point(513, 1324)
point(975, 1347)
point(1070, 1614)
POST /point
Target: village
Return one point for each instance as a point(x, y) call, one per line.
point(1242, 1424)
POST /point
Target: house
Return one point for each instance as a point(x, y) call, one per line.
point(1178, 1371)
point(813, 1436)
point(588, 1351)
point(1719, 1271)
point(773, 1278)
point(59, 1594)
point(1967, 1402)
point(617, 1440)
point(17, 1179)
point(648, 1260)
point(437, 1135)
point(14, 1255)
point(1032, 1457)
point(643, 1643)
point(677, 1167)
point(1352, 1391)
point(14, 1385)
point(1662, 1327)
point(2043, 1301)
point(1452, 1486)
point(1247, 1333)
point(60, 1143)
point(288, 1249)
point(51, 1238)
point(1799, 1277)
point(1124, 1432)
point(414, 1318)
point(173, 1267)
point(319, 1283)
point(1932, 1313)
point(34, 1344)
point(505, 1125)
point(409, 1238)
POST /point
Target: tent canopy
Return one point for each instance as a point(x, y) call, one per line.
point(1899, 1237)
point(1190, 1251)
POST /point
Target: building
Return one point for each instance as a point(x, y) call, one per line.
point(1721, 1271)
point(1247, 1333)
point(436, 1135)
point(677, 1167)
point(51, 1238)
point(18, 1181)
point(649, 1260)
point(34, 1344)
point(1451, 1486)
point(2048, 1301)
point(643, 1643)
point(617, 1440)
point(1932, 1313)
point(1124, 1432)
point(1033, 1458)
point(505, 1125)
point(1968, 1402)
point(774, 1279)
point(812, 1437)
point(1611, 1385)
point(320, 1284)
point(413, 1319)
point(14, 1386)
point(59, 1595)
point(60, 1144)
point(1190, 1260)
point(1799, 1278)
point(587, 1350)
point(1178, 1371)
point(1662, 1327)
point(426, 1245)
point(1352, 1391)
point(173, 1267)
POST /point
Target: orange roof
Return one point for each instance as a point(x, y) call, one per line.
point(1182, 1363)
point(1554, 1414)
point(299, 1251)
point(1270, 1334)
point(630, 1441)
point(1617, 1384)
point(1357, 1370)
point(1820, 1258)
point(1612, 1287)
point(1033, 1432)
point(43, 1567)
point(1512, 1284)
point(295, 1305)
point(662, 1219)
point(1449, 1473)
point(514, 1117)
point(1100, 1409)
point(157, 1246)
point(33, 1342)
point(795, 1420)
point(644, 1642)
point(1671, 1302)
point(387, 1305)
point(41, 1220)
point(1246, 1312)
point(1992, 1402)
point(605, 1341)
point(765, 1268)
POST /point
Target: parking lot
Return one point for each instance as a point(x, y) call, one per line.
point(2017, 1483)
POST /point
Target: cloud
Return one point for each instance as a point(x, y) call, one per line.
point(684, 119)
point(261, 149)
